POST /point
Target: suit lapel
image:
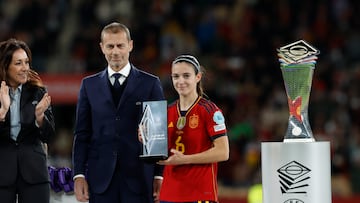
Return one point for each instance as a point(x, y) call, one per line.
point(30, 97)
point(24, 100)
point(24, 96)
point(26, 114)
point(132, 82)
point(105, 88)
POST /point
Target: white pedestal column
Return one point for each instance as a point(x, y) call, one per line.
point(296, 172)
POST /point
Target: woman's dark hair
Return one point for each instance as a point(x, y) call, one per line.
point(197, 68)
point(7, 49)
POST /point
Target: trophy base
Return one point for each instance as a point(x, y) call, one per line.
point(296, 172)
point(153, 158)
point(299, 140)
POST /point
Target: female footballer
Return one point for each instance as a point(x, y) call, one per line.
point(197, 139)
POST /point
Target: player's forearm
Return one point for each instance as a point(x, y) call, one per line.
point(219, 152)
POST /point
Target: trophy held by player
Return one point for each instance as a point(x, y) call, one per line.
point(297, 169)
point(153, 130)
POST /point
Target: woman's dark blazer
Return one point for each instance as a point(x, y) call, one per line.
point(26, 156)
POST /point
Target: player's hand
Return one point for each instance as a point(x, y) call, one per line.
point(139, 135)
point(177, 158)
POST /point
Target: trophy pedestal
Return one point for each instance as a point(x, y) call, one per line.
point(296, 172)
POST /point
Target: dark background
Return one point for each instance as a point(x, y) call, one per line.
point(236, 42)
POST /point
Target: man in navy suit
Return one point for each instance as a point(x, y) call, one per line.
point(106, 150)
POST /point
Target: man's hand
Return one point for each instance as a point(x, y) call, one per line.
point(81, 189)
point(156, 192)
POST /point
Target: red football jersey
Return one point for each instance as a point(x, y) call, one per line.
point(192, 133)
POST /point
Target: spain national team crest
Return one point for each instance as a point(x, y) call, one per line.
point(194, 121)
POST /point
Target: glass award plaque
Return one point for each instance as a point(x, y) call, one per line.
point(153, 130)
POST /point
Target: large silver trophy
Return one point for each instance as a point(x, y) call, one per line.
point(153, 130)
point(297, 170)
point(297, 66)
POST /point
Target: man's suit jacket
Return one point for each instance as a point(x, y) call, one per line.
point(26, 155)
point(105, 133)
